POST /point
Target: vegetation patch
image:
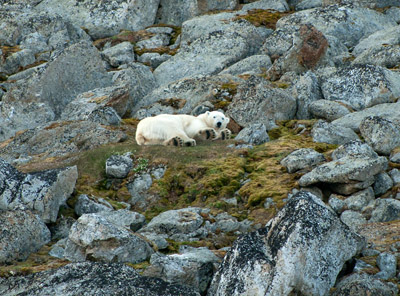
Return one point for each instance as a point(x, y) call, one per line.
point(263, 17)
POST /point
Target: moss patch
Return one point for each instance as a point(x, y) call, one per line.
point(263, 17)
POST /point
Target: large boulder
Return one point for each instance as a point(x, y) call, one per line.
point(106, 18)
point(42, 192)
point(301, 250)
point(360, 86)
point(21, 234)
point(325, 132)
point(94, 236)
point(91, 279)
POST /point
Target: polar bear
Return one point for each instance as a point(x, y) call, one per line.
point(182, 130)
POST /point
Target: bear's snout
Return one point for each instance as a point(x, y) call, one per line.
point(219, 123)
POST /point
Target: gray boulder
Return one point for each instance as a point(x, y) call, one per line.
point(286, 255)
point(360, 199)
point(125, 218)
point(91, 279)
point(306, 91)
point(89, 104)
point(254, 134)
point(194, 268)
point(387, 209)
point(352, 219)
point(325, 132)
point(354, 149)
point(385, 56)
point(347, 174)
point(382, 184)
point(279, 5)
point(360, 86)
point(138, 188)
point(255, 64)
point(303, 158)
point(86, 205)
point(59, 139)
point(364, 284)
point(381, 134)
point(42, 192)
point(119, 166)
point(153, 59)
point(21, 234)
point(327, 110)
point(387, 263)
point(394, 13)
point(119, 54)
point(390, 111)
point(106, 19)
point(258, 101)
point(395, 175)
point(156, 41)
point(94, 236)
point(389, 36)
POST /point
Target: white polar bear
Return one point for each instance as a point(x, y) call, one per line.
point(182, 130)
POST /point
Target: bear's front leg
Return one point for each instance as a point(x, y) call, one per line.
point(175, 141)
point(207, 134)
point(225, 134)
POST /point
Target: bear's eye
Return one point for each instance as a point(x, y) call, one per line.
point(215, 117)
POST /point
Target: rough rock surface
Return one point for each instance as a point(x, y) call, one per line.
point(301, 159)
point(326, 132)
point(269, 261)
point(99, 279)
point(21, 234)
point(254, 134)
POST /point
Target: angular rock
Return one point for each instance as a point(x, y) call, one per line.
point(42, 192)
point(105, 19)
point(385, 56)
point(364, 284)
point(381, 134)
point(325, 132)
point(255, 64)
point(58, 139)
point(360, 86)
point(285, 256)
point(388, 111)
point(354, 149)
point(119, 166)
point(306, 91)
point(395, 175)
point(138, 188)
point(346, 170)
point(194, 268)
point(254, 134)
point(382, 184)
point(85, 205)
point(60, 229)
point(336, 203)
point(119, 54)
point(327, 110)
point(94, 236)
point(389, 36)
point(360, 199)
point(153, 59)
point(387, 263)
point(91, 279)
point(387, 209)
point(352, 219)
point(279, 5)
point(86, 105)
point(301, 159)
point(257, 101)
point(21, 234)
point(156, 41)
point(128, 219)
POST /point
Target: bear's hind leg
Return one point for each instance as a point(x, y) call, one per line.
point(180, 141)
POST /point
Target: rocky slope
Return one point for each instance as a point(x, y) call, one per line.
point(304, 201)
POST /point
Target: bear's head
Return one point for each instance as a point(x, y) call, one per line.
point(216, 119)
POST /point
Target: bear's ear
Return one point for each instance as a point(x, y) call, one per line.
point(208, 112)
point(227, 120)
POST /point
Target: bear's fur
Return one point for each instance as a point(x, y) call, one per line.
point(182, 130)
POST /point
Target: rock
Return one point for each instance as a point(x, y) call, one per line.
point(360, 199)
point(125, 218)
point(138, 188)
point(360, 86)
point(153, 59)
point(85, 205)
point(21, 234)
point(89, 278)
point(255, 134)
point(381, 134)
point(193, 268)
point(257, 101)
point(290, 247)
point(395, 157)
point(306, 91)
point(180, 225)
point(352, 219)
point(382, 184)
point(347, 170)
point(348, 23)
point(303, 158)
point(60, 229)
point(94, 236)
point(42, 192)
point(388, 111)
point(354, 149)
point(325, 132)
point(119, 54)
point(255, 64)
point(387, 209)
point(393, 12)
point(389, 36)
point(387, 263)
point(158, 240)
point(327, 110)
point(385, 56)
point(88, 105)
point(106, 19)
point(119, 166)
point(279, 5)
point(59, 139)
point(337, 204)
point(364, 284)
point(58, 249)
point(177, 12)
point(395, 175)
